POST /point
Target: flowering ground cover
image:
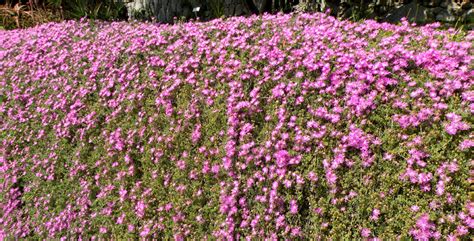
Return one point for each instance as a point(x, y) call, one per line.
point(277, 126)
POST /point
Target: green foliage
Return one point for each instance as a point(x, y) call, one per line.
point(94, 9)
point(217, 8)
point(55, 3)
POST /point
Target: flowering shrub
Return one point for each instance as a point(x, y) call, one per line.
point(278, 127)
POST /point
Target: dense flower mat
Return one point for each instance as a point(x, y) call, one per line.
point(278, 126)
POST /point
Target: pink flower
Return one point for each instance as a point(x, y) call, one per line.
point(282, 157)
point(293, 207)
point(365, 232)
point(455, 124)
point(331, 177)
point(466, 144)
point(145, 231)
point(451, 237)
point(375, 214)
point(461, 230)
point(140, 208)
point(196, 133)
point(312, 176)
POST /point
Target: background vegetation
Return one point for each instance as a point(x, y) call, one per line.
point(25, 13)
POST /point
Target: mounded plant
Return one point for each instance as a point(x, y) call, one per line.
point(279, 126)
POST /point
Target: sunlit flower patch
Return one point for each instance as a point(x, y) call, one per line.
point(277, 127)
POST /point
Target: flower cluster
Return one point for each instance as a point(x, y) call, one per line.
point(294, 126)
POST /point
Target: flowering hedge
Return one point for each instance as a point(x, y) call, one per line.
point(277, 126)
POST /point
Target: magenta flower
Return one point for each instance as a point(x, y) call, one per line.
point(293, 207)
point(365, 232)
point(282, 158)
